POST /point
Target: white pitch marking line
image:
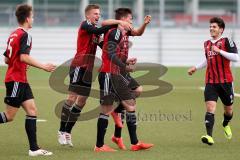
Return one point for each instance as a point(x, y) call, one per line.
point(235, 94)
point(41, 120)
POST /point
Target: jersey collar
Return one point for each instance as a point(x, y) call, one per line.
point(215, 40)
point(22, 29)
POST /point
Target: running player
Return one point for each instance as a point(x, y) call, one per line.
point(219, 52)
point(18, 90)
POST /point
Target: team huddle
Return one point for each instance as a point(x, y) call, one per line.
point(116, 84)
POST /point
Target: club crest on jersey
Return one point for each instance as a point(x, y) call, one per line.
point(219, 44)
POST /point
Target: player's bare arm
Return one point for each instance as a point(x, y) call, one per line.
point(32, 62)
point(124, 24)
point(139, 31)
point(201, 65)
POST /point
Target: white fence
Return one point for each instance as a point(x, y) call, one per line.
point(170, 47)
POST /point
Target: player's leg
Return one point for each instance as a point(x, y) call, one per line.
point(31, 129)
point(30, 108)
point(119, 111)
point(128, 100)
point(211, 96)
point(131, 120)
point(72, 96)
point(8, 115)
point(12, 102)
point(227, 98)
point(117, 137)
point(106, 100)
point(74, 114)
point(228, 114)
point(75, 111)
point(65, 117)
point(81, 85)
point(102, 125)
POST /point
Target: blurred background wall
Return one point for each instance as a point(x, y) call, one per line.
point(174, 38)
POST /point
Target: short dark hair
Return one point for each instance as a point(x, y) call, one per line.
point(122, 12)
point(219, 21)
point(23, 12)
point(91, 6)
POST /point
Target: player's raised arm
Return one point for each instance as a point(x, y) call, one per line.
point(139, 31)
point(91, 29)
point(124, 24)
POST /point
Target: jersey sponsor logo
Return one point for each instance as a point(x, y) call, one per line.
point(211, 54)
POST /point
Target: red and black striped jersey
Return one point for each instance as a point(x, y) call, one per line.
point(19, 42)
point(218, 67)
point(87, 41)
point(112, 58)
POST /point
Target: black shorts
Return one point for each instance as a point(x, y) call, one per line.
point(114, 88)
point(222, 90)
point(17, 93)
point(133, 84)
point(80, 81)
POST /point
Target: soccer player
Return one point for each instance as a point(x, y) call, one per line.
point(118, 114)
point(114, 86)
point(219, 52)
point(81, 70)
point(18, 91)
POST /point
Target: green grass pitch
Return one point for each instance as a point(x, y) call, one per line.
point(174, 138)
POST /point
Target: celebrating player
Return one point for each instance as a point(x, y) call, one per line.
point(81, 70)
point(114, 86)
point(118, 114)
point(219, 51)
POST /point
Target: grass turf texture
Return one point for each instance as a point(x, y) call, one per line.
point(177, 138)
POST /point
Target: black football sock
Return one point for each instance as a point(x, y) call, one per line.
point(74, 114)
point(118, 130)
point(132, 126)
point(3, 117)
point(119, 108)
point(102, 125)
point(64, 116)
point(227, 119)
point(209, 123)
point(31, 129)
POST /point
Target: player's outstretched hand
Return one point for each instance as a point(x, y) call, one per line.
point(127, 26)
point(130, 68)
point(147, 19)
point(192, 70)
point(49, 67)
point(132, 61)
